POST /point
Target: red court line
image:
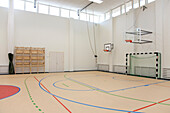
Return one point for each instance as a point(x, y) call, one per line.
point(151, 105)
point(54, 96)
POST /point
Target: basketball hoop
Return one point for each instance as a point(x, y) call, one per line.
point(106, 50)
point(108, 47)
point(137, 36)
point(129, 41)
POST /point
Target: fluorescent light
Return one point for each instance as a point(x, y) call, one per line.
point(96, 1)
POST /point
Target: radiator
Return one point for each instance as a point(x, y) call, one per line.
point(119, 69)
point(166, 73)
point(103, 67)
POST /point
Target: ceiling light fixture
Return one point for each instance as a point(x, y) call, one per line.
point(96, 1)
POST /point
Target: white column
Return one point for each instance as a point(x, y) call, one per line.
point(71, 45)
point(11, 27)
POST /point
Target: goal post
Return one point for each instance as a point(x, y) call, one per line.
point(144, 64)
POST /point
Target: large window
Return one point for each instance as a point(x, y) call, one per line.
point(135, 3)
point(107, 15)
point(84, 16)
point(4, 3)
point(149, 1)
point(73, 14)
point(30, 7)
point(128, 6)
point(116, 12)
point(43, 9)
point(96, 19)
point(18, 4)
point(123, 9)
point(102, 18)
point(91, 18)
point(142, 2)
point(65, 13)
point(54, 11)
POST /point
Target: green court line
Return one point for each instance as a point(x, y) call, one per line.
point(65, 85)
point(113, 94)
point(30, 95)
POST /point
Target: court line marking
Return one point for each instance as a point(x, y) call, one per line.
point(106, 92)
point(13, 94)
point(54, 96)
point(67, 89)
point(65, 85)
point(151, 105)
point(163, 85)
point(156, 83)
point(81, 102)
point(137, 86)
point(30, 95)
point(121, 78)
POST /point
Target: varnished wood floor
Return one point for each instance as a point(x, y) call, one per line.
point(85, 92)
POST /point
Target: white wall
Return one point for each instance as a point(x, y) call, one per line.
point(54, 33)
point(83, 55)
point(3, 36)
point(166, 32)
point(70, 36)
point(120, 24)
point(38, 30)
point(147, 21)
point(155, 18)
point(105, 36)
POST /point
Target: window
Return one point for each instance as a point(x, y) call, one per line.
point(135, 3)
point(128, 6)
point(73, 14)
point(84, 17)
point(102, 18)
point(116, 12)
point(123, 9)
point(18, 4)
point(107, 15)
point(43, 9)
point(91, 18)
point(4, 3)
point(65, 13)
point(96, 19)
point(54, 11)
point(142, 2)
point(149, 1)
point(30, 7)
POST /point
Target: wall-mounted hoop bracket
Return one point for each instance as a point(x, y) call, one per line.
point(137, 36)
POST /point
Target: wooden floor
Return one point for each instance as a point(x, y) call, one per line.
point(85, 92)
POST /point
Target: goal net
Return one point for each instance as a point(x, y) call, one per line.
point(145, 65)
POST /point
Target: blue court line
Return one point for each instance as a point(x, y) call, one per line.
point(13, 94)
point(83, 103)
point(103, 90)
point(113, 77)
point(118, 89)
point(95, 88)
point(137, 86)
point(54, 84)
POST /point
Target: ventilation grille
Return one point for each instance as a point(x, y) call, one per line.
point(119, 69)
point(103, 67)
point(166, 73)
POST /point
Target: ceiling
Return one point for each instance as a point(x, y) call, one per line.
point(79, 4)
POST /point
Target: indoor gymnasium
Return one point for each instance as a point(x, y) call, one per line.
point(84, 56)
